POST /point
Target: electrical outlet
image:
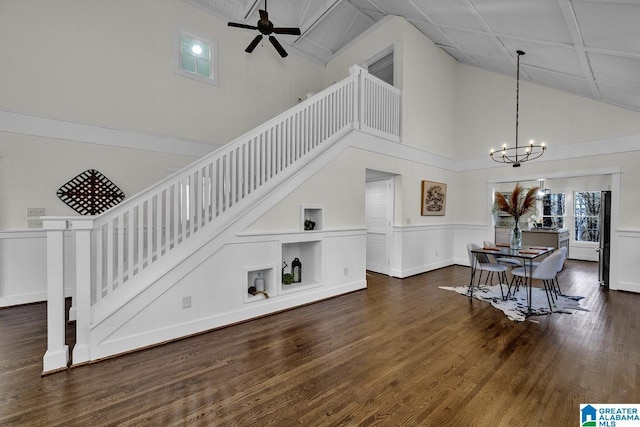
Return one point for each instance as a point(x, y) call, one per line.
point(346, 271)
point(34, 223)
point(35, 211)
point(436, 253)
point(186, 302)
point(408, 221)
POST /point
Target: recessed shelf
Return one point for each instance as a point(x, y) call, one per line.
point(268, 275)
point(314, 215)
point(310, 255)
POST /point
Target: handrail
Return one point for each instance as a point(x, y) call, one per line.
point(134, 235)
point(123, 242)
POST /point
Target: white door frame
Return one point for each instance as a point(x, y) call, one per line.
point(388, 229)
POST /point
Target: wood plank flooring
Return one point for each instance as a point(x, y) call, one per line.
point(401, 353)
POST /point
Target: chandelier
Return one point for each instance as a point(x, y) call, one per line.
point(520, 153)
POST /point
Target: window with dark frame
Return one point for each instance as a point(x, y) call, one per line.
point(587, 216)
point(553, 210)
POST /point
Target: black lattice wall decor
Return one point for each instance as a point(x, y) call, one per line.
point(90, 193)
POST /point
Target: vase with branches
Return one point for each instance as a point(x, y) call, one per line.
point(516, 205)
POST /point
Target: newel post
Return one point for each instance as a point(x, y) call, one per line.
point(355, 72)
point(57, 354)
point(82, 229)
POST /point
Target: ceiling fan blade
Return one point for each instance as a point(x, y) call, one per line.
point(283, 30)
point(278, 47)
point(248, 27)
point(253, 43)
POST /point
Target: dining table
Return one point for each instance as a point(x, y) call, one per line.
point(527, 254)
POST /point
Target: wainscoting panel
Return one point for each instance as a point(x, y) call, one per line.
point(215, 293)
point(23, 267)
point(470, 233)
point(627, 255)
point(417, 249)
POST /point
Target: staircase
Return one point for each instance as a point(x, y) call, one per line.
point(141, 246)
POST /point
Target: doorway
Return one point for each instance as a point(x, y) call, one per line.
point(383, 65)
point(570, 182)
point(379, 217)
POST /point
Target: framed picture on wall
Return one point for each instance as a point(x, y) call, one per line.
point(434, 198)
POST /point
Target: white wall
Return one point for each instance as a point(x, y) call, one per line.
point(218, 287)
point(110, 66)
point(23, 267)
point(485, 115)
point(428, 107)
point(32, 169)
point(94, 65)
point(420, 243)
point(340, 189)
point(111, 63)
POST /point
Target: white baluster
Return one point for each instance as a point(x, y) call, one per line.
point(140, 235)
point(120, 242)
point(109, 256)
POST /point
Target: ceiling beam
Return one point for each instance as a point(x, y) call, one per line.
point(489, 32)
point(250, 9)
point(378, 7)
point(576, 36)
point(452, 43)
point(317, 17)
point(359, 12)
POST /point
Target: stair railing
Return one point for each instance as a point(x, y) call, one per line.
point(145, 228)
point(128, 239)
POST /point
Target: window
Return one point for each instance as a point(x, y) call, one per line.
point(553, 210)
point(587, 216)
point(197, 58)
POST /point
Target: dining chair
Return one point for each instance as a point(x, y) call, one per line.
point(563, 251)
point(511, 262)
point(481, 262)
point(546, 272)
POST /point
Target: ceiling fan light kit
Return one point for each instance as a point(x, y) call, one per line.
point(266, 28)
point(520, 153)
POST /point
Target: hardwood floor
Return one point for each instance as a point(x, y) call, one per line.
point(401, 353)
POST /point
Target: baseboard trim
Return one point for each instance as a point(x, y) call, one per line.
point(108, 349)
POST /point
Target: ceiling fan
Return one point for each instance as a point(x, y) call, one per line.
point(266, 28)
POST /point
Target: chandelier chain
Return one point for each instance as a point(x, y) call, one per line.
point(518, 155)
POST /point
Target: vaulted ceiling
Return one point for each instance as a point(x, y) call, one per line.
point(585, 47)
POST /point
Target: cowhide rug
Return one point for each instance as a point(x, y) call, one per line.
point(515, 308)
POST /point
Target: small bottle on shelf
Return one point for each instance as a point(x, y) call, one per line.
point(258, 283)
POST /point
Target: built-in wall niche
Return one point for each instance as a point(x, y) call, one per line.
point(270, 282)
point(311, 218)
point(310, 255)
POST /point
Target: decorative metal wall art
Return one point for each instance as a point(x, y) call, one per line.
point(90, 193)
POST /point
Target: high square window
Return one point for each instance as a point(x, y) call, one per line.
point(197, 58)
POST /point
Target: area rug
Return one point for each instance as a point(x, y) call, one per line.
point(515, 308)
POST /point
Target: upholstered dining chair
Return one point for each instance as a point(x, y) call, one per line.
point(563, 251)
point(482, 263)
point(546, 272)
point(510, 262)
